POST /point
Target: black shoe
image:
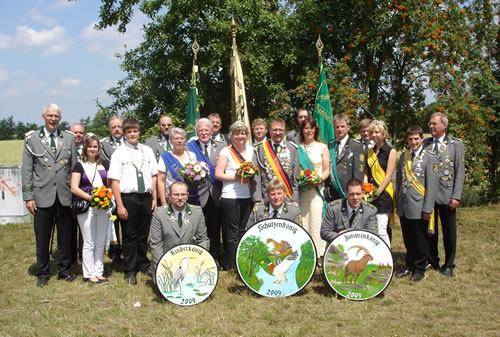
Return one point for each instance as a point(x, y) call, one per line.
point(131, 279)
point(102, 281)
point(86, 279)
point(447, 271)
point(42, 282)
point(432, 266)
point(403, 273)
point(417, 276)
point(147, 270)
point(67, 278)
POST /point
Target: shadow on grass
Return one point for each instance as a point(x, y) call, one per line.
point(398, 260)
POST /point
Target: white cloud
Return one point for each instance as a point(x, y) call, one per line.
point(109, 41)
point(11, 93)
point(53, 41)
point(4, 75)
point(63, 3)
point(60, 92)
point(5, 41)
point(70, 82)
point(34, 15)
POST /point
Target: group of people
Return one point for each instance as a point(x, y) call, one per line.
point(155, 203)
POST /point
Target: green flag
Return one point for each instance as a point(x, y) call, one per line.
point(193, 112)
point(322, 113)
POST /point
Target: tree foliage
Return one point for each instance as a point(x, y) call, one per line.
point(385, 59)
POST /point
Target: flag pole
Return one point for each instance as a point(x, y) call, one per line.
point(193, 112)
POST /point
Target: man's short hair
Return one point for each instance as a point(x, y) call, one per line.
point(53, 107)
point(309, 112)
point(353, 183)
point(177, 182)
point(259, 121)
point(131, 123)
point(442, 116)
point(275, 184)
point(115, 117)
point(204, 121)
point(415, 129)
point(278, 121)
point(214, 115)
point(339, 118)
point(365, 123)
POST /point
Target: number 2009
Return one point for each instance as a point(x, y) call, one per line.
point(188, 301)
point(353, 294)
point(273, 292)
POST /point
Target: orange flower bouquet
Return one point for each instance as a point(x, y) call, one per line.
point(371, 192)
point(247, 169)
point(101, 198)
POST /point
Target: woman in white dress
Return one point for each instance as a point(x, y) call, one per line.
point(170, 164)
point(313, 155)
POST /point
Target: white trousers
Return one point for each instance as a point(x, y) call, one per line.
point(93, 225)
point(382, 221)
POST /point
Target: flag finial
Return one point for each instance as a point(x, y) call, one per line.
point(233, 31)
point(319, 45)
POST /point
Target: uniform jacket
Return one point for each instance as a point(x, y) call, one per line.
point(337, 219)
point(157, 144)
point(108, 146)
point(289, 160)
point(44, 174)
point(451, 168)
point(208, 188)
point(409, 202)
point(165, 232)
point(261, 212)
point(349, 163)
point(293, 136)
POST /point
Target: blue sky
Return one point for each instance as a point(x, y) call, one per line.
point(50, 53)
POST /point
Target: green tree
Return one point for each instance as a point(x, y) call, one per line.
point(252, 251)
point(7, 128)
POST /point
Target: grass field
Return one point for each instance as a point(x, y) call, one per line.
point(465, 305)
point(11, 152)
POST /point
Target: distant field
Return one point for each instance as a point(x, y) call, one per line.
point(11, 152)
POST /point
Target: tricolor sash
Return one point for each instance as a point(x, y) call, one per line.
point(305, 162)
point(334, 179)
point(238, 158)
point(276, 167)
point(410, 175)
point(378, 174)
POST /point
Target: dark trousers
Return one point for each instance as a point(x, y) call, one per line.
point(449, 226)
point(76, 241)
point(114, 248)
point(135, 231)
point(416, 241)
point(43, 222)
point(212, 216)
point(234, 221)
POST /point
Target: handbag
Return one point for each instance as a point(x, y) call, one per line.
point(79, 205)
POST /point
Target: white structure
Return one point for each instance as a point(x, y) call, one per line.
point(12, 207)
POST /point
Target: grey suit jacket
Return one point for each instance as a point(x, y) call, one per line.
point(165, 232)
point(157, 144)
point(44, 174)
point(260, 212)
point(293, 136)
point(289, 159)
point(207, 189)
point(409, 202)
point(451, 168)
point(336, 219)
point(350, 163)
point(108, 146)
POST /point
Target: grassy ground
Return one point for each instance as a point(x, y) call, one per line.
point(11, 152)
point(465, 305)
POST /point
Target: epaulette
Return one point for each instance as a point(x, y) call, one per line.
point(430, 152)
point(292, 143)
point(292, 205)
point(257, 204)
point(453, 139)
point(355, 141)
point(367, 204)
point(29, 133)
point(336, 202)
point(194, 206)
point(257, 144)
point(70, 132)
point(102, 140)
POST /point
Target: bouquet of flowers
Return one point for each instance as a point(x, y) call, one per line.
point(101, 198)
point(308, 177)
point(371, 192)
point(195, 173)
point(247, 169)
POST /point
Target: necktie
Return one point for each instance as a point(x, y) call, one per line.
point(276, 148)
point(206, 151)
point(140, 182)
point(337, 149)
point(179, 219)
point(351, 219)
point(52, 143)
point(412, 156)
point(436, 146)
point(118, 142)
point(366, 147)
point(275, 213)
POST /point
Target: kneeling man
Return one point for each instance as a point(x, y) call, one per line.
point(348, 213)
point(176, 224)
point(276, 207)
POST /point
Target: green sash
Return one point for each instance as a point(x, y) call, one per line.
point(306, 164)
point(334, 179)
